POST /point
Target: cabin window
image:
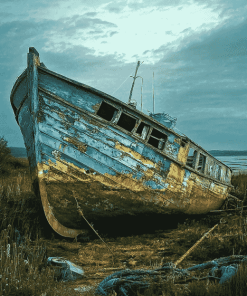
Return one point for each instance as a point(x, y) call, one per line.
point(191, 159)
point(222, 175)
point(219, 172)
point(183, 143)
point(228, 175)
point(143, 130)
point(201, 163)
point(157, 139)
point(127, 122)
point(107, 111)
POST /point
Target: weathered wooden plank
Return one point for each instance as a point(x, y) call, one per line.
point(85, 124)
point(172, 147)
point(71, 136)
point(84, 119)
point(96, 157)
point(72, 168)
point(69, 92)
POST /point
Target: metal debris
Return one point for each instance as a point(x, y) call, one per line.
point(64, 269)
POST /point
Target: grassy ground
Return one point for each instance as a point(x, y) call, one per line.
point(23, 266)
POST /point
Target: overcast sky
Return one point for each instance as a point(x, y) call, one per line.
point(197, 50)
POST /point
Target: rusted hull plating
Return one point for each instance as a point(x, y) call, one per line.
point(76, 158)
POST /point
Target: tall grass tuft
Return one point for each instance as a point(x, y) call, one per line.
point(239, 181)
point(24, 270)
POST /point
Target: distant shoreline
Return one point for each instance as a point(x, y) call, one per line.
point(228, 152)
point(18, 152)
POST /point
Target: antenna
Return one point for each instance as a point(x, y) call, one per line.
point(141, 93)
point(153, 92)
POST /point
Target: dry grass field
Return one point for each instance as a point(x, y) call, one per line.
point(27, 241)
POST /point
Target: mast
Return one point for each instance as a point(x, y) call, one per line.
point(153, 92)
point(141, 93)
point(134, 78)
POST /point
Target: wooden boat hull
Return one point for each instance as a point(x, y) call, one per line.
point(77, 159)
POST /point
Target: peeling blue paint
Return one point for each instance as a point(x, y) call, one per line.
point(186, 178)
point(66, 127)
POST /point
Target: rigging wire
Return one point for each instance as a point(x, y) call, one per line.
point(122, 83)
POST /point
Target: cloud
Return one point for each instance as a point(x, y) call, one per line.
point(113, 33)
point(116, 6)
point(90, 14)
point(75, 62)
point(199, 75)
point(203, 83)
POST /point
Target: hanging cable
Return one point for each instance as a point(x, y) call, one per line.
point(122, 83)
point(81, 213)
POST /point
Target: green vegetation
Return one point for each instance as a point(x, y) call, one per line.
point(4, 155)
point(239, 181)
point(23, 268)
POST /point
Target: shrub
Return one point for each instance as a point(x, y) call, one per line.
point(5, 155)
point(239, 181)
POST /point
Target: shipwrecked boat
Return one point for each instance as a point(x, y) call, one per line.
point(90, 150)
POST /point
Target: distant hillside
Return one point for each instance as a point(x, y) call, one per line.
point(18, 152)
point(228, 152)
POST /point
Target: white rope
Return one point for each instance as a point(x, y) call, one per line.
point(122, 83)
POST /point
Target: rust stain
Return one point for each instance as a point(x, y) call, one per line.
point(36, 60)
point(176, 173)
point(54, 223)
point(177, 140)
point(85, 184)
point(135, 154)
point(79, 145)
point(78, 173)
point(96, 107)
point(183, 154)
point(40, 116)
point(118, 181)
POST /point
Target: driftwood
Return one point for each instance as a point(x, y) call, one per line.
point(194, 246)
point(237, 209)
point(237, 204)
point(234, 197)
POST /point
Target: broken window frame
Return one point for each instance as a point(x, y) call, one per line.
point(191, 162)
point(184, 141)
point(143, 135)
point(219, 172)
point(115, 114)
point(161, 143)
point(202, 170)
point(127, 114)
